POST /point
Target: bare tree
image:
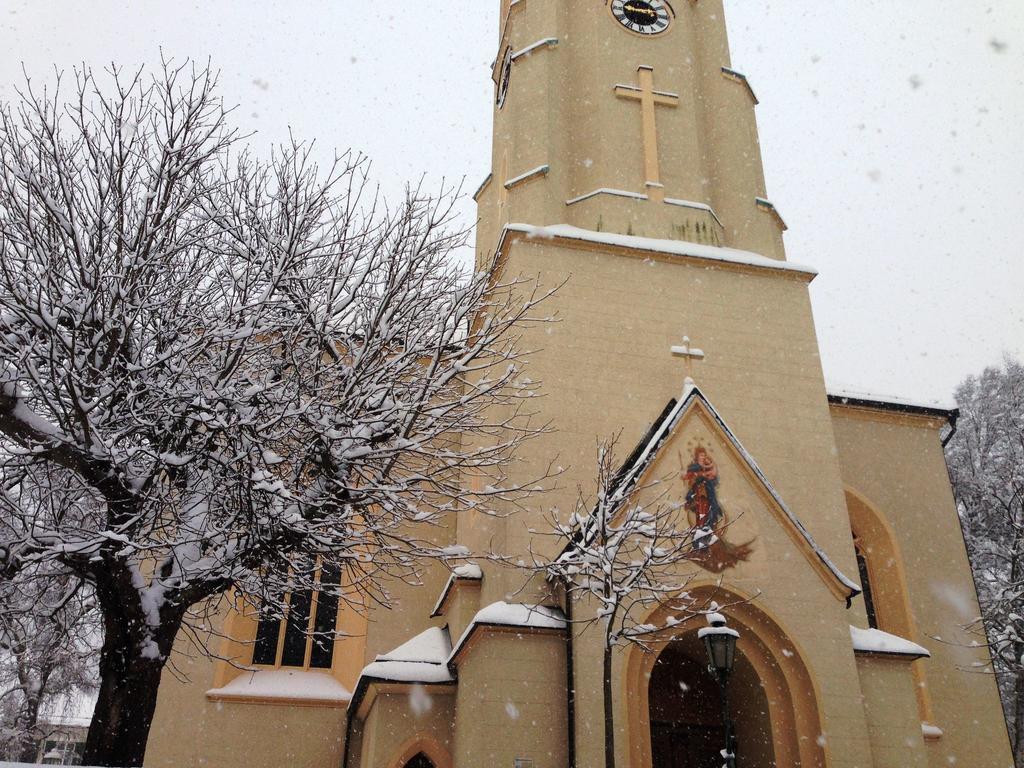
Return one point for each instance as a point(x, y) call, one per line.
point(986, 463)
point(621, 559)
point(48, 647)
point(229, 372)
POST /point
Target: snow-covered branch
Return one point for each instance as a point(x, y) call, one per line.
point(217, 371)
point(986, 463)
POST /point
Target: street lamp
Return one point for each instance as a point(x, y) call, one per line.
point(720, 643)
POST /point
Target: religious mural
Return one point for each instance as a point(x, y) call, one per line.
point(709, 519)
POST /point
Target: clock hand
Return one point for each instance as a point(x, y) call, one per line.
point(645, 11)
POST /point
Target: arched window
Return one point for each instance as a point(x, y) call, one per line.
point(882, 576)
point(420, 761)
point(880, 567)
point(865, 581)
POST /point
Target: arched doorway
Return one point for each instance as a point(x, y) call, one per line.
point(420, 761)
point(773, 695)
point(686, 711)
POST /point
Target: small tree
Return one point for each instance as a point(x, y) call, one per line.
point(228, 373)
point(627, 558)
point(986, 463)
point(49, 634)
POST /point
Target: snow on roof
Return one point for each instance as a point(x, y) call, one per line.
point(431, 646)
point(464, 572)
point(644, 454)
point(468, 571)
point(877, 641)
point(504, 614)
point(423, 659)
point(655, 245)
point(74, 711)
point(290, 684)
point(406, 672)
point(521, 615)
point(854, 395)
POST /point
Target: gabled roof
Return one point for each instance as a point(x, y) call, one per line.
point(464, 574)
point(423, 660)
point(499, 615)
point(429, 659)
point(647, 450)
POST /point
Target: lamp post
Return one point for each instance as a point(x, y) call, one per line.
point(720, 643)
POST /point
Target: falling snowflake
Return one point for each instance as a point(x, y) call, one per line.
point(420, 702)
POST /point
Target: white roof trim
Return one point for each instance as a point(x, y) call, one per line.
point(607, 191)
point(668, 424)
point(531, 48)
point(540, 170)
point(709, 253)
point(695, 206)
point(882, 399)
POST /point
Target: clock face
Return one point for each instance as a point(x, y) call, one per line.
point(646, 17)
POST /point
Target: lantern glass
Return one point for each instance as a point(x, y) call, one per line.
point(721, 650)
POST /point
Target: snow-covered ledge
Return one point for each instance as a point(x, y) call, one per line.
point(503, 615)
point(875, 641)
point(708, 254)
point(284, 686)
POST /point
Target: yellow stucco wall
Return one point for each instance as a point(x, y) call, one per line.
point(397, 726)
point(511, 700)
point(895, 464)
point(190, 731)
point(891, 708)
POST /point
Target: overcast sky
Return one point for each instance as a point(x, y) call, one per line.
point(891, 132)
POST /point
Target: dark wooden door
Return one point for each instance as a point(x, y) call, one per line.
point(674, 745)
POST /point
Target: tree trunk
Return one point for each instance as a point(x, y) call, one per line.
point(1018, 718)
point(127, 700)
point(28, 719)
point(609, 717)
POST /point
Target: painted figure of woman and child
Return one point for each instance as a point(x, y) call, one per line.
point(702, 479)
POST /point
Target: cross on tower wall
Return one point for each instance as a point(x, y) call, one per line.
point(685, 168)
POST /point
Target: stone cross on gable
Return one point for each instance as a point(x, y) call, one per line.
point(690, 354)
point(649, 100)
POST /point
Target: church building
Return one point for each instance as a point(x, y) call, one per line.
point(627, 170)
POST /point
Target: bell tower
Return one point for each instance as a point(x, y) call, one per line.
point(626, 117)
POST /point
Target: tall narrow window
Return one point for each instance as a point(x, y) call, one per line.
point(865, 582)
point(296, 629)
point(305, 637)
point(265, 651)
point(321, 654)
